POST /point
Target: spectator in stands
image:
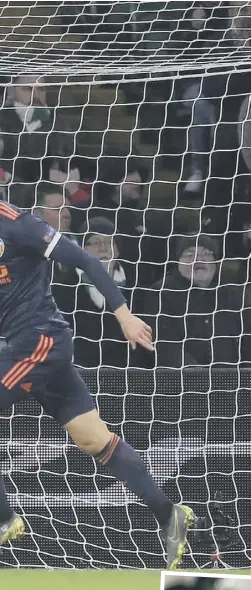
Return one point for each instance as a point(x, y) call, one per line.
point(52, 205)
point(71, 174)
point(25, 121)
point(119, 196)
point(120, 186)
point(196, 320)
point(99, 340)
point(218, 109)
point(213, 102)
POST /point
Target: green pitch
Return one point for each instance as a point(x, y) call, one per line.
point(75, 580)
point(86, 580)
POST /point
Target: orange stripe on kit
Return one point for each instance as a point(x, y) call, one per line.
point(111, 448)
point(7, 211)
point(22, 368)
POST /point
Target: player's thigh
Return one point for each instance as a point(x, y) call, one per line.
point(67, 395)
point(70, 403)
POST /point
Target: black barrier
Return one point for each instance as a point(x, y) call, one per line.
point(197, 426)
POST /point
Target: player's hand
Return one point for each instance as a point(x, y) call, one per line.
point(134, 329)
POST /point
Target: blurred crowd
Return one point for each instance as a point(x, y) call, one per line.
point(171, 274)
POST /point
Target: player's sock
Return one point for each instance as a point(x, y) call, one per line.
point(126, 465)
point(5, 510)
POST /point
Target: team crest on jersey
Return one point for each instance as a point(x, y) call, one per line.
point(50, 233)
point(2, 247)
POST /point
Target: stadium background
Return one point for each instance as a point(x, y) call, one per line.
point(209, 423)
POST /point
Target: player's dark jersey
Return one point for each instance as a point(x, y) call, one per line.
point(25, 292)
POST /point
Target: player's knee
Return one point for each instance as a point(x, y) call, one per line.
point(93, 443)
point(89, 432)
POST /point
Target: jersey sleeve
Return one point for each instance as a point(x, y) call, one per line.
point(32, 232)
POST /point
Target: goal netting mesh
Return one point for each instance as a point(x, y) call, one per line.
point(140, 111)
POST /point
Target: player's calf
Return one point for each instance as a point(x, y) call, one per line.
point(93, 436)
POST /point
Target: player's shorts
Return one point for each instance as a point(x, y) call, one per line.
point(40, 366)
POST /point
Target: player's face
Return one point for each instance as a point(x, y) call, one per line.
point(28, 92)
point(198, 265)
point(57, 213)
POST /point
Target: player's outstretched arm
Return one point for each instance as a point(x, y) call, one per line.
point(29, 231)
point(134, 329)
point(70, 254)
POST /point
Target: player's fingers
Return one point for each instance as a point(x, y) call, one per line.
point(147, 333)
point(146, 343)
point(147, 328)
point(148, 346)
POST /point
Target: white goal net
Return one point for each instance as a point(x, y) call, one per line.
point(126, 125)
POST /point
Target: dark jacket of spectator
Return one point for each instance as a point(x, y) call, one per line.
point(119, 196)
point(25, 121)
point(195, 323)
point(119, 190)
point(71, 174)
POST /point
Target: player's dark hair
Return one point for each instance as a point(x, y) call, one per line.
point(46, 189)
